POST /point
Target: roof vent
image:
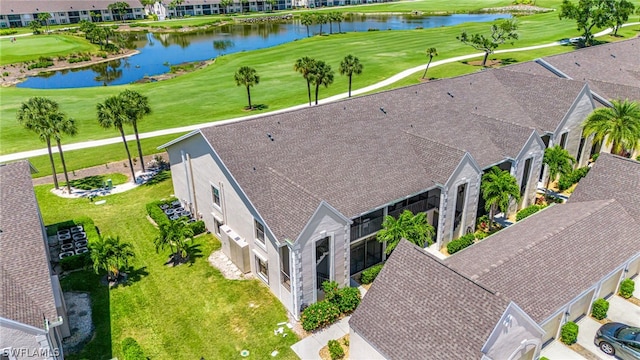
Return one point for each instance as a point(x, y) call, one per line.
point(411, 125)
point(450, 94)
point(577, 63)
point(613, 56)
point(254, 168)
point(382, 109)
point(278, 122)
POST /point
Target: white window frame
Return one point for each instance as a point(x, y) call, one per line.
point(262, 242)
point(260, 259)
point(215, 188)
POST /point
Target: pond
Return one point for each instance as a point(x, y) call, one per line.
point(159, 51)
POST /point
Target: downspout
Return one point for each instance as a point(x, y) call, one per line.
point(186, 171)
point(48, 326)
point(193, 187)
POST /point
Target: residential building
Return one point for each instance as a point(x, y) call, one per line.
point(17, 13)
point(508, 295)
point(33, 317)
point(297, 198)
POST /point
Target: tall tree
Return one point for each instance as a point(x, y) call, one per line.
point(35, 27)
point(37, 115)
point(558, 161)
point(113, 114)
point(305, 66)
point(588, 14)
point(622, 9)
point(321, 75)
point(321, 19)
point(415, 228)
point(112, 255)
point(306, 19)
point(137, 107)
point(337, 17)
point(501, 32)
point(619, 125)
point(120, 8)
point(63, 126)
point(349, 66)
point(225, 4)
point(174, 235)
point(498, 189)
point(45, 17)
point(273, 5)
point(248, 77)
point(431, 52)
point(176, 4)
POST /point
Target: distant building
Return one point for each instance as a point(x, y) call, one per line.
point(33, 315)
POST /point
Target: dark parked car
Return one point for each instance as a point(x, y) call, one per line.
point(620, 340)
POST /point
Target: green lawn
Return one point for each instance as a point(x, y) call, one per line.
point(210, 94)
point(185, 312)
point(32, 47)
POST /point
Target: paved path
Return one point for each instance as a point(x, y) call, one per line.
point(183, 129)
point(309, 347)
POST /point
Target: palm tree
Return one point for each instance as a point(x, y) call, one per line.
point(431, 52)
point(248, 77)
point(111, 255)
point(498, 188)
point(322, 19)
point(558, 161)
point(137, 106)
point(321, 75)
point(339, 18)
point(44, 17)
point(61, 125)
point(306, 20)
point(350, 66)
point(414, 228)
point(619, 124)
point(113, 114)
point(225, 4)
point(36, 115)
point(174, 234)
point(305, 66)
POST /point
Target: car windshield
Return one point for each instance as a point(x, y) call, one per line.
point(630, 333)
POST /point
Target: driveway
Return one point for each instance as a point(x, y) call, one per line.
point(620, 310)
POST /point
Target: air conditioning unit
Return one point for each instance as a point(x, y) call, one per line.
point(238, 249)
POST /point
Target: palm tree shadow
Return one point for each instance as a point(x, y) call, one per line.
point(133, 275)
point(260, 107)
point(158, 178)
point(194, 252)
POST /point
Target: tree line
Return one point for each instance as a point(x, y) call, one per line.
point(308, 19)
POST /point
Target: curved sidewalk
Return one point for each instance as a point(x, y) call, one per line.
point(183, 129)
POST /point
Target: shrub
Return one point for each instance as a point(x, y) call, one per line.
point(569, 333)
point(319, 314)
point(594, 157)
point(6, 73)
point(197, 227)
point(528, 211)
point(480, 234)
point(8, 32)
point(599, 309)
point(458, 244)
point(335, 350)
point(331, 291)
point(627, 286)
point(349, 299)
point(638, 158)
point(154, 211)
point(370, 274)
point(75, 262)
point(131, 350)
point(566, 181)
point(544, 358)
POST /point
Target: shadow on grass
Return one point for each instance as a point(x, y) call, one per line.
point(98, 347)
point(260, 107)
point(160, 177)
point(194, 252)
point(133, 275)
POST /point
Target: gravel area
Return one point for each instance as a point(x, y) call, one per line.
point(79, 312)
point(221, 262)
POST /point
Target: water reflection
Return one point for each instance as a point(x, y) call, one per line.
point(177, 48)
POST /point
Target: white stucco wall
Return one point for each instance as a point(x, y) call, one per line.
point(359, 348)
point(572, 125)
point(534, 150)
point(513, 336)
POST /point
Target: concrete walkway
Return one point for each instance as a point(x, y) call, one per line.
point(558, 351)
point(183, 129)
point(309, 347)
point(586, 334)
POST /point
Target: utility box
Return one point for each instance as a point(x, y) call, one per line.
point(237, 247)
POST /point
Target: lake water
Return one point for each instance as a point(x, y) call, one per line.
point(159, 51)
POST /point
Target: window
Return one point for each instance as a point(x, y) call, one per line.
point(215, 194)
point(259, 232)
point(563, 140)
point(216, 226)
point(285, 269)
point(263, 268)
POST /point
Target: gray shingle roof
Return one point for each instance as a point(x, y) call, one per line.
point(418, 307)
point(548, 259)
point(27, 294)
point(612, 177)
point(37, 6)
point(612, 70)
point(355, 156)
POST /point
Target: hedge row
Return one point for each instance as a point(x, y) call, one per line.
point(158, 215)
point(370, 274)
point(566, 181)
point(80, 261)
point(337, 301)
point(458, 244)
point(528, 211)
